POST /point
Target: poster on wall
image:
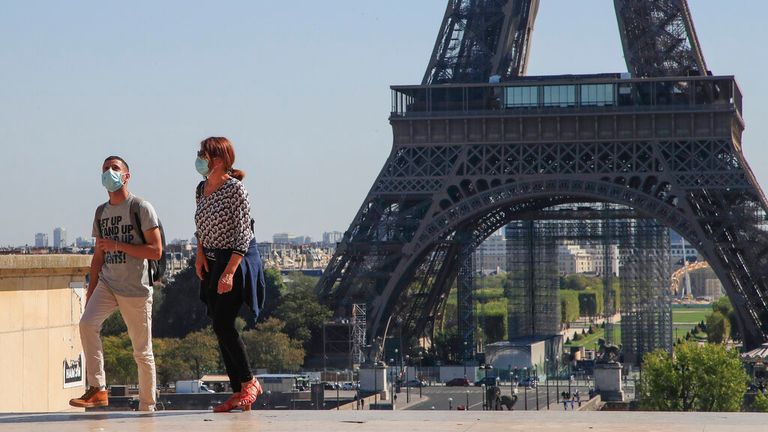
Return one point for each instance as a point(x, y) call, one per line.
point(73, 372)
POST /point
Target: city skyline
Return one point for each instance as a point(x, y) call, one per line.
point(144, 81)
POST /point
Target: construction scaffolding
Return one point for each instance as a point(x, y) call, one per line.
point(358, 334)
point(631, 254)
point(533, 301)
point(646, 310)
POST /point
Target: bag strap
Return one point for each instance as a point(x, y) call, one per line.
point(97, 218)
point(136, 203)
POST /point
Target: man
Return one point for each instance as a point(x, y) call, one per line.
point(119, 280)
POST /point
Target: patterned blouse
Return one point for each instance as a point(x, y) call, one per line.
point(223, 218)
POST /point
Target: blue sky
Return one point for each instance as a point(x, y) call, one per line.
point(301, 88)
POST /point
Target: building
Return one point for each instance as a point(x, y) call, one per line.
point(491, 255)
point(84, 243)
point(43, 297)
point(331, 238)
point(41, 240)
point(289, 238)
point(59, 238)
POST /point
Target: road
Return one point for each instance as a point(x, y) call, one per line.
point(437, 397)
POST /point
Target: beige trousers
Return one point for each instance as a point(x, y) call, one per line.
point(137, 314)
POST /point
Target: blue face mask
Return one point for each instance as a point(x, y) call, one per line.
point(201, 165)
point(112, 180)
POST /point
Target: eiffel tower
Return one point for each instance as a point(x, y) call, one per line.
point(479, 143)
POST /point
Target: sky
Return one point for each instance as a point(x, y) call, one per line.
point(301, 88)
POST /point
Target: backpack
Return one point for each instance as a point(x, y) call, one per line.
point(156, 268)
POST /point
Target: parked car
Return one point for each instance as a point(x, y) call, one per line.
point(330, 386)
point(488, 381)
point(458, 382)
point(414, 383)
point(349, 386)
point(531, 382)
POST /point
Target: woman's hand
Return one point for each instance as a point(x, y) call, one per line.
point(225, 282)
point(201, 264)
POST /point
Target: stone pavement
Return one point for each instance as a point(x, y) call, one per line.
point(377, 421)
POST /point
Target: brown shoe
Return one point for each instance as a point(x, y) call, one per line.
point(93, 397)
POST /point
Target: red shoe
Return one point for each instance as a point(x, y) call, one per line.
point(230, 404)
point(253, 388)
point(93, 397)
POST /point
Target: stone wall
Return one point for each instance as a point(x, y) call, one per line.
point(42, 297)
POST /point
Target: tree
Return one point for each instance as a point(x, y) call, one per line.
point(696, 378)
point(270, 348)
point(274, 292)
point(119, 364)
point(718, 328)
point(113, 325)
point(723, 305)
point(303, 316)
point(760, 404)
point(200, 351)
point(169, 363)
point(181, 310)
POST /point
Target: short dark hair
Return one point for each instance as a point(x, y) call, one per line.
point(109, 158)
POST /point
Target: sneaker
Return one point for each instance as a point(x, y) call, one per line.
point(93, 397)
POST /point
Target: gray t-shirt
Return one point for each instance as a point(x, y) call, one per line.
point(123, 274)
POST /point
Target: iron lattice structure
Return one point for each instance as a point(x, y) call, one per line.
point(470, 156)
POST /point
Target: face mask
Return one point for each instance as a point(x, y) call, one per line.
point(201, 165)
point(112, 180)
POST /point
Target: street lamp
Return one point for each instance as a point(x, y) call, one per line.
point(392, 378)
point(337, 390)
point(450, 404)
point(464, 358)
point(536, 374)
point(407, 387)
point(525, 372)
point(546, 369)
point(482, 387)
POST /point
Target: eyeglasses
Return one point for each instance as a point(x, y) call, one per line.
point(201, 153)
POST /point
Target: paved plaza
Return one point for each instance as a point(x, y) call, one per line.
point(373, 421)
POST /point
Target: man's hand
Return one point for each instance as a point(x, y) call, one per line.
point(108, 245)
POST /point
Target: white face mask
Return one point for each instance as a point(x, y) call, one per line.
point(201, 165)
point(112, 180)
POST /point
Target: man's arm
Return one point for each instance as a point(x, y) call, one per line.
point(152, 249)
point(97, 261)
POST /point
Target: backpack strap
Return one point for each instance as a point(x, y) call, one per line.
point(136, 203)
point(97, 217)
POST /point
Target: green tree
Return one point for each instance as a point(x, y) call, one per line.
point(569, 306)
point(270, 348)
point(303, 316)
point(170, 366)
point(119, 364)
point(274, 292)
point(760, 404)
point(200, 351)
point(696, 378)
point(718, 328)
point(113, 325)
point(181, 310)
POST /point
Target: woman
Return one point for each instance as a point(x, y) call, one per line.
point(227, 262)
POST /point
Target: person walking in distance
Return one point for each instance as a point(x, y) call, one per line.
point(128, 234)
point(227, 262)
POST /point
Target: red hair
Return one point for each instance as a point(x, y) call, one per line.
point(220, 147)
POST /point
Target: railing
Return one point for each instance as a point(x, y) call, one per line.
point(557, 93)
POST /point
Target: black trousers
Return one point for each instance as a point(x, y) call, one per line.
point(223, 310)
